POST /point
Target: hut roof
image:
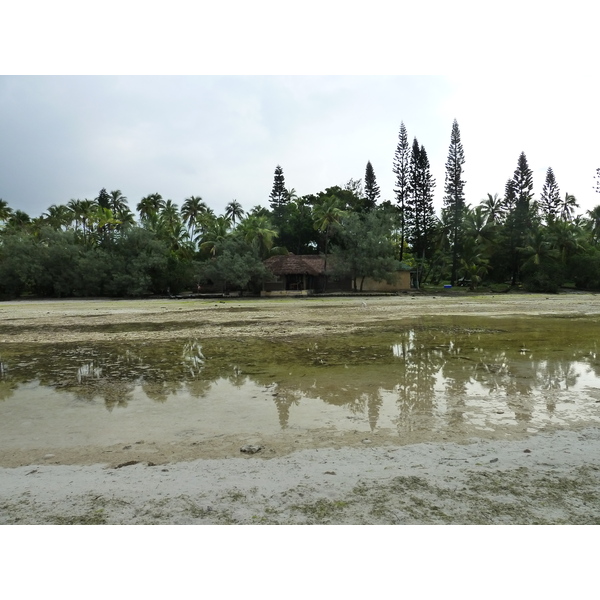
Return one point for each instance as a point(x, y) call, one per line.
point(292, 264)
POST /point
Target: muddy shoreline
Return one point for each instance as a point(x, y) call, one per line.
point(329, 498)
point(49, 322)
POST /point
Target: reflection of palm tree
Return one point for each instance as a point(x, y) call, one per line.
point(193, 357)
point(284, 400)
point(374, 404)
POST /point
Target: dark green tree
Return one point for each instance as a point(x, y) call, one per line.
point(326, 219)
point(550, 198)
point(150, 205)
point(402, 189)
point(237, 266)
point(117, 202)
point(5, 210)
point(454, 199)
point(372, 191)
point(103, 200)
point(366, 248)
point(520, 213)
point(592, 225)
point(58, 216)
point(420, 214)
point(296, 232)
point(278, 194)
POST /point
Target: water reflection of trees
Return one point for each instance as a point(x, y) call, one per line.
point(415, 379)
point(7, 383)
point(430, 372)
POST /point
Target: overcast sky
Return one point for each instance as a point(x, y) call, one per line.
point(220, 137)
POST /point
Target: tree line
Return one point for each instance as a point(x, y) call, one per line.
point(100, 247)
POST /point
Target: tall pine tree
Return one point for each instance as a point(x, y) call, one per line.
point(521, 216)
point(278, 194)
point(371, 188)
point(454, 200)
point(550, 198)
point(401, 169)
point(419, 211)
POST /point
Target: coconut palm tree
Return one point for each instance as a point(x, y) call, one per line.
point(18, 220)
point(169, 214)
point(565, 237)
point(5, 210)
point(234, 211)
point(216, 232)
point(567, 207)
point(191, 210)
point(58, 216)
point(291, 195)
point(151, 204)
point(117, 202)
point(76, 208)
point(259, 231)
point(88, 210)
point(593, 224)
point(326, 216)
point(479, 227)
point(103, 222)
point(474, 266)
point(125, 217)
point(493, 209)
point(538, 249)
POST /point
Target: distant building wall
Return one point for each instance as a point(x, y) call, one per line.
point(400, 283)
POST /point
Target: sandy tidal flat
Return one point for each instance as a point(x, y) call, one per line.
point(549, 477)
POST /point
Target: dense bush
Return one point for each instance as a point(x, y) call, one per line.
point(585, 270)
point(55, 264)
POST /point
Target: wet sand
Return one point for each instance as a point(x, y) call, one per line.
point(325, 479)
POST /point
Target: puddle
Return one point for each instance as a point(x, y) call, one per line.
point(421, 380)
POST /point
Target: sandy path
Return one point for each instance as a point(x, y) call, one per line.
point(482, 482)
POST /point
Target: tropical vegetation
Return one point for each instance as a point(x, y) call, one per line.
point(100, 247)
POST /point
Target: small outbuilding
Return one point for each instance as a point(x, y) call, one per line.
point(304, 274)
